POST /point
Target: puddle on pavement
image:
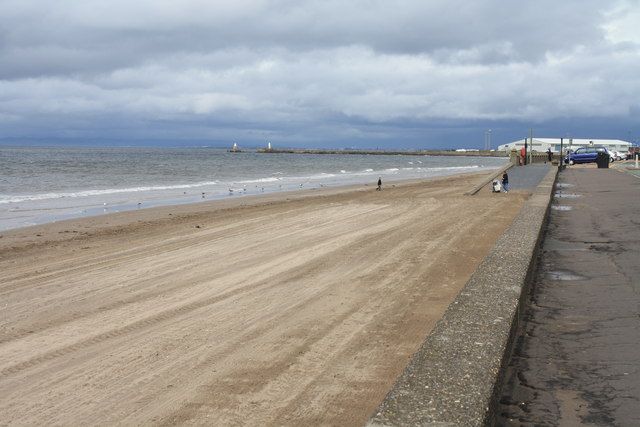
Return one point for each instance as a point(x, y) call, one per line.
point(567, 195)
point(561, 207)
point(563, 275)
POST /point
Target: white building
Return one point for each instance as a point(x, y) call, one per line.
point(543, 144)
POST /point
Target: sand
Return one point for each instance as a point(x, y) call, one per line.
point(288, 309)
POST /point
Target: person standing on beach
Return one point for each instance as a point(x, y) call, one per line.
point(505, 182)
point(379, 184)
point(549, 155)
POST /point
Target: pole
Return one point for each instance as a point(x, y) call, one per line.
point(524, 161)
point(561, 156)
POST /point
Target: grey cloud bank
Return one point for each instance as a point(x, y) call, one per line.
point(364, 73)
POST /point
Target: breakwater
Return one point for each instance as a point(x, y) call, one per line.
point(484, 153)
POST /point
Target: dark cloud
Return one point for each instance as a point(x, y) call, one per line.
point(43, 38)
point(311, 70)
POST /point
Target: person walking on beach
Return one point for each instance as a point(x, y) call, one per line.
point(505, 182)
point(379, 184)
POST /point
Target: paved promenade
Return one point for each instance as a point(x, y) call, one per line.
point(527, 177)
point(577, 358)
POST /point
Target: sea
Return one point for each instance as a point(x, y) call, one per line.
point(46, 184)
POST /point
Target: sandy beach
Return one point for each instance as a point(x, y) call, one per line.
point(290, 309)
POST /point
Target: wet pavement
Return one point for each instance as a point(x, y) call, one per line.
point(576, 359)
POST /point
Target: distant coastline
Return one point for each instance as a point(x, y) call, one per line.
point(475, 153)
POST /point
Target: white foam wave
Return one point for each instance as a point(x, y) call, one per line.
point(453, 168)
point(87, 193)
point(252, 181)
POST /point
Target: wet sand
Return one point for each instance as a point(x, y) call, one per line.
point(289, 309)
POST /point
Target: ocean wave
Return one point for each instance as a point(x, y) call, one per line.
point(4, 199)
point(7, 199)
point(321, 175)
point(446, 168)
point(252, 181)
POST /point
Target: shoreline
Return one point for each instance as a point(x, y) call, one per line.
point(119, 180)
point(193, 209)
point(95, 205)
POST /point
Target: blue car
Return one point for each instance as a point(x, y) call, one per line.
point(585, 155)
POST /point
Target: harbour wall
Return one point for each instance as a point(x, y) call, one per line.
point(483, 153)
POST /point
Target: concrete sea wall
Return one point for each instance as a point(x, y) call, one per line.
point(452, 379)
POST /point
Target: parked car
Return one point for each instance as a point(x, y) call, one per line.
point(585, 155)
point(617, 155)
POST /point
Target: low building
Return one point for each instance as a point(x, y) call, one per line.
point(543, 144)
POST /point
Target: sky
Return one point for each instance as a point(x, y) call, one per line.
point(395, 74)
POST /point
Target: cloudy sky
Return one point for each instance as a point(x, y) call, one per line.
point(364, 73)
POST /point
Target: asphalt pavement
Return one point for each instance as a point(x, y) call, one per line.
point(576, 359)
point(527, 177)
